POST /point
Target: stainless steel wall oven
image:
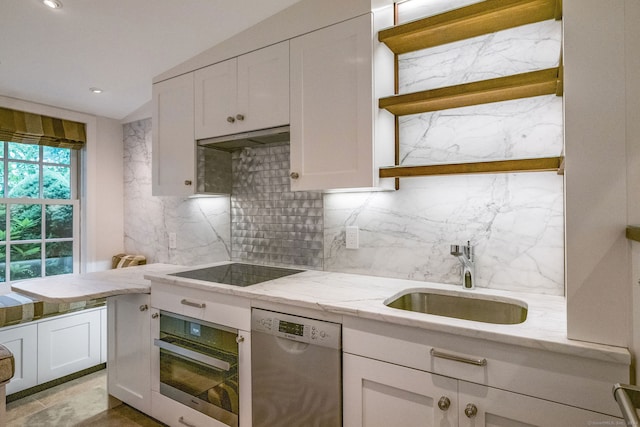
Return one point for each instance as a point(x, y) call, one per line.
point(199, 365)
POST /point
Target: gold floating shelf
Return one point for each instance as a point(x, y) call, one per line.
point(633, 233)
point(470, 21)
point(535, 83)
point(544, 164)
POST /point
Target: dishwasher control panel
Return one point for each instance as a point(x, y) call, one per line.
point(301, 329)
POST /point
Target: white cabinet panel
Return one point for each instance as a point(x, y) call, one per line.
point(263, 88)
point(173, 141)
point(333, 99)
point(22, 342)
point(129, 361)
point(499, 408)
point(216, 99)
point(67, 344)
point(378, 394)
point(246, 93)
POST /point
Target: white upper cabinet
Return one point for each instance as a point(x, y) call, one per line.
point(241, 94)
point(173, 142)
point(337, 74)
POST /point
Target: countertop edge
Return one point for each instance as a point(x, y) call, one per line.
point(464, 328)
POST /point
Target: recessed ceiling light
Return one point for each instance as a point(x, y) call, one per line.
point(95, 90)
point(53, 4)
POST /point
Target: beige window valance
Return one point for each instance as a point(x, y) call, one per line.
point(29, 128)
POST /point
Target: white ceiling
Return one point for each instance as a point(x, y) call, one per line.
point(54, 56)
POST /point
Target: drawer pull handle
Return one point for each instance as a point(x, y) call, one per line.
point(193, 304)
point(455, 357)
point(182, 421)
point(193, 355)
point(444, 403)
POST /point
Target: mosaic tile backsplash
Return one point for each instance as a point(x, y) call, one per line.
point(270, 224)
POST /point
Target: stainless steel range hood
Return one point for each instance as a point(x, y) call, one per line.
point(239, 141)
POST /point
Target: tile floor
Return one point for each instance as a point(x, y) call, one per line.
point(80, 402)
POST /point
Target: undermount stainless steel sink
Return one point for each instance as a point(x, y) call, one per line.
point(479, 308)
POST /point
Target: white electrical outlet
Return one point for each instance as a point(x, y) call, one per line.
point(172, 241)
point(352, 240)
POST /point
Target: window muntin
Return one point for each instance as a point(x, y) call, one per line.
point(39, 211)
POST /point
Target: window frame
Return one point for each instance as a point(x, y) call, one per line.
point(73, 201)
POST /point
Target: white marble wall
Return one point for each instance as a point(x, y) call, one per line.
point(202, 225)
point(514, 221)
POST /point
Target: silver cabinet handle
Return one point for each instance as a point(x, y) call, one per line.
point(182, 421)
point(144, 307)
point(193, 304)
point(471, 410)
point(231, 119)
point(239, 117)
point(294, 175)
point(444, 403)
point(194, 355)
point(455, 357)
point(239, 339)
point(155, 315)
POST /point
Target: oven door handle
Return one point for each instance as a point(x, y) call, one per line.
point(203, 358)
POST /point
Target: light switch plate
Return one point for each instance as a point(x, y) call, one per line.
point(352, 238)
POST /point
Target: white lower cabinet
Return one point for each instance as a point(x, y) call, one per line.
point(401, 375)
point(129, 354)
point(22, 342)
point(68, 344)
point(47, 349)
point(480, 406)
point(381, 394)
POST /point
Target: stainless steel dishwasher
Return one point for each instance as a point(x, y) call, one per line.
point(296, 371)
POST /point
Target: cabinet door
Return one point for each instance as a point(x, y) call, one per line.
point(173, 152)
point(263, 88)
point(215, 100)
point(332, 107)
point(68, 344)
point(499, 408)
point(22, 342)
point(129, 359)
point(379, 394)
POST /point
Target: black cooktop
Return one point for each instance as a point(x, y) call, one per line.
point(237, 274)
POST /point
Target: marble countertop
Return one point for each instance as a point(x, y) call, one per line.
point(80, 287)
point(364, 297)
point(343, 294)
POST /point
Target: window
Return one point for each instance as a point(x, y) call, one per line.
point(38, 211)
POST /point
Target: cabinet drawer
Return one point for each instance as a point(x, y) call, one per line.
point(529, 371)
point(227, 310)
point(176, 414)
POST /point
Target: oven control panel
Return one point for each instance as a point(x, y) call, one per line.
point(301, 329)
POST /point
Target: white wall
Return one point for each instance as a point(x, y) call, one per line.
point(597, 252)
point(108, 190)
point(101, 190)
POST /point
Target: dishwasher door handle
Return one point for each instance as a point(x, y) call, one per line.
point(190, 354)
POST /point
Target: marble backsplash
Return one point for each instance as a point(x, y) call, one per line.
point(202, 225)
